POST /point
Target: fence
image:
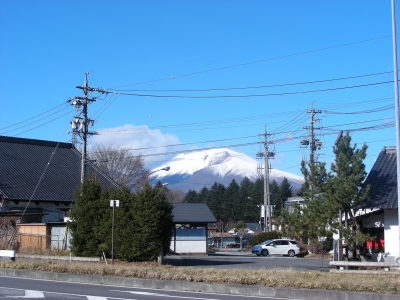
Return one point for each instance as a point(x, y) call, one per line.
point(40, 242)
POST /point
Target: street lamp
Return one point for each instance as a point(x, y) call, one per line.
point(162, 169)
point(322, 240)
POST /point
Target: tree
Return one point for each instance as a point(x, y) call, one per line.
point(191, 197)
point(146, 227)
point(274, 194)
point(230, 203)
point(310, 220)
point(241, 230)
point(143, 222)
point(91, 219)
point(344, 190)
point(203, 195)
point(176, 196)
point(246, 205)
point(119, 163)
point(214, 201)
point(285, 191)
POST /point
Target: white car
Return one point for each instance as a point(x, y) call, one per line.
point(277, 246)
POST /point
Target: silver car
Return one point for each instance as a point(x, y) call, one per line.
point(277, 246)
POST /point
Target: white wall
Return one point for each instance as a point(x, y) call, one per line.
point(391, 235)
point(189, 246)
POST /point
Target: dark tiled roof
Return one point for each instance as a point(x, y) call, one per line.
point(383, 181)
point(22, 162)
point(192, 213)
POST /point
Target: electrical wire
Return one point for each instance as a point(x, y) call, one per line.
point(256, 95)
point(32, 117)
point(42, 124)
point(253, 62)
point(37, 121)
point(261, 86)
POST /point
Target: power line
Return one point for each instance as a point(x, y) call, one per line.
point(254, 62)
point(261, 86)
point(12, 125)
point(256, 95)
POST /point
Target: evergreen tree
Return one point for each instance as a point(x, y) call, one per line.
point(191, 197)
point(246, 203)
point(85, 219)
point(143, 222)
point(214, 201)
point(285, 191)
point(257, 199)
point(203, 195)
point(230, 202)
point(274, 195)
point(308, 221)
point(343, 191)
point(147, 223)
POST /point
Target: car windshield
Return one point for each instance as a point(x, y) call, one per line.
point(266, 242)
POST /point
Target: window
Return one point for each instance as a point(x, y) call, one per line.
point(284, 243)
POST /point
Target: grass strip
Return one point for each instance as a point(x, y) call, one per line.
point(279, 278)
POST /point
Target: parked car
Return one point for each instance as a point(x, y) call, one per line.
point(233, 245)
point(277, 246)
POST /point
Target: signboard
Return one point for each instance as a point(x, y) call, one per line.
point(114, 201)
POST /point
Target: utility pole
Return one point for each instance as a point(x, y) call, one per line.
point(81, 122)
point(397, 112)
point(266, 154)
point(84, 128)
point(315, 144)
point(340, 246)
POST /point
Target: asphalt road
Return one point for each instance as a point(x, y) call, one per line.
point(12, 287)
point(233, 260)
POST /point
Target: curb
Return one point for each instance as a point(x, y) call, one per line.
point(72, 258)
point(234, 289)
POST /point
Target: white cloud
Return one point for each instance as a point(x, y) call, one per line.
point(138, 137)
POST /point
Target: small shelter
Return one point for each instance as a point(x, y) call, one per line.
point(190, 228)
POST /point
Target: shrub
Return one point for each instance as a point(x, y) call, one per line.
point(264, 236)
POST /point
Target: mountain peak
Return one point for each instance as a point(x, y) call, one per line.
point(195, 170)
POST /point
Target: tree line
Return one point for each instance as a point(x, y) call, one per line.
point(240, 202)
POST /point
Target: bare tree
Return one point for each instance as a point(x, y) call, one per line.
point(118, 162)
point(176, 196)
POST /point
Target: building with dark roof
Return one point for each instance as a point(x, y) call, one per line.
point(190, 230)
point(379, 212)
point(39, 178)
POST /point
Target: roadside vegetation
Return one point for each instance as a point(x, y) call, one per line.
point(278, 278)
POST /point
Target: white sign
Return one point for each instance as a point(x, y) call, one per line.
point(114, 201)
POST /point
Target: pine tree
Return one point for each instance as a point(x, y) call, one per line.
point(285, 191)
point(191, 197)
point(203, 195)
point(344, 188)
point(230, 203)
point(274, 195)
point(246, 205)
point(214, 201)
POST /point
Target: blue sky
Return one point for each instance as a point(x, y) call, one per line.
point(202, 74)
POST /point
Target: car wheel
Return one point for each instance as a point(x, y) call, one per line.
point(264, 252)
point(291, 253)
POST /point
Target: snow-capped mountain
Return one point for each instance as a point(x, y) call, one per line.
point(198, 169)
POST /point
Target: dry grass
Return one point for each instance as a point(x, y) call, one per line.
point(274, 278)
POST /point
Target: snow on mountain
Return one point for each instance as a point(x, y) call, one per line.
point(198, 169)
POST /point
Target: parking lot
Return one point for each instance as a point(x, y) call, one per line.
point(245, 260)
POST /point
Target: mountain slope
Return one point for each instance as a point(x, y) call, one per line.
point(198, 169)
